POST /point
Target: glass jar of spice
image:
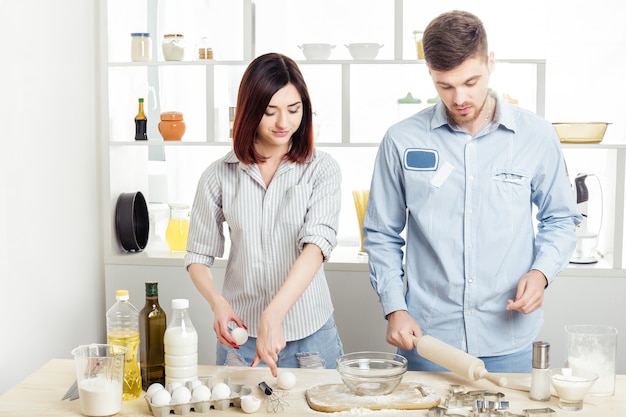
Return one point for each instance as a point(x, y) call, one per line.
point(140, 47)
point(173, 47)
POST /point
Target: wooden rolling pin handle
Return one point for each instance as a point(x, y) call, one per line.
point(451, 358)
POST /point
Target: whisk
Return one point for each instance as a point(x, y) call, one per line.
point(274, 401)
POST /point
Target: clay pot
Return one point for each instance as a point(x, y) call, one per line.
point(172, 125)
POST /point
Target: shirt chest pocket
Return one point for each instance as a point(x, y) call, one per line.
point(511, 183)
point(293, 208)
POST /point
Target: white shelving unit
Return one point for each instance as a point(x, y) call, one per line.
point(203, 91)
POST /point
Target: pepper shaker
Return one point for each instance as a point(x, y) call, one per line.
point(540, 378)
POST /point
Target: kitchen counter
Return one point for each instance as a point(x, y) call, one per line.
point(40, 394)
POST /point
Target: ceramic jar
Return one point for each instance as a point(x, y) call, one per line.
point(172, 126)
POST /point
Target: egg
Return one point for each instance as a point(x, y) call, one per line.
point(171, 387)
point(195, 383)
point(240, 335)
point(160, 398)
point(181, 395)
point(250, 404)
point(200, 393)
point(153, 388)
point(286, 380)
point(220, 391)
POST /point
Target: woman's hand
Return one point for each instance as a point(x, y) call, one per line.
point(269, 343)
point(224, 314)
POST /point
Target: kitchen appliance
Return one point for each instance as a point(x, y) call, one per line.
point(586, 233)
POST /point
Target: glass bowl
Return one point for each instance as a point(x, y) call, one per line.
point(371, 373)
point(571, 385)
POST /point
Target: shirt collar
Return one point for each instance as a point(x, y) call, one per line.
point(503, 115)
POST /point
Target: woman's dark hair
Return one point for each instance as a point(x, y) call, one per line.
point(453, 37)
point(264, 76)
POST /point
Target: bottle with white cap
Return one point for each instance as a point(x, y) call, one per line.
point(181, 345)
point(540, 377)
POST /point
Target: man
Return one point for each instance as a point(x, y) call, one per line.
point(463, 177)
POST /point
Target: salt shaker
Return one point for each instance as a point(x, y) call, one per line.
point(540, 378)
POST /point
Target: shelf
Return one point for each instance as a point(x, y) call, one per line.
point(215, 62)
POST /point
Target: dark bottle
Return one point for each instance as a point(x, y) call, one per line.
point(152, 324)
point(141, 123)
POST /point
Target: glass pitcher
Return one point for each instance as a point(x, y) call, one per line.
point(178, 227)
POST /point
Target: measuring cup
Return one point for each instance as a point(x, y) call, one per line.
point(593, 348)
point(99, 374)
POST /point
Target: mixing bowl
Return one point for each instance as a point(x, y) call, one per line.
point(313, 51)
point(363, 50)
point(571, 385)
point(581, 132)
point(371, 373)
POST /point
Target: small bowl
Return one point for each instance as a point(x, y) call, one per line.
point(571, 385)
point(583, 132)
point(364, 50)
point(316, 51)
point(371, 373)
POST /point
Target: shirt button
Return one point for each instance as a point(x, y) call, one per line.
point(470, 280)
point(468, 312)
point(471, 178)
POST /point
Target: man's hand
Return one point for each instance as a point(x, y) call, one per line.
point(402, 329)
point(530, 289)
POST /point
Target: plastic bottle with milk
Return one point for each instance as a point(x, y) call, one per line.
point(181, 345)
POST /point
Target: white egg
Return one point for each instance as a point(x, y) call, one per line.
point(160, 398)
point(195, 383)
point(171, 387)
point(153, 388)
point(200, 393)
point(286, 380)
point(181, 395)
point(250, 404)
point(220, 391)
point(240, 335)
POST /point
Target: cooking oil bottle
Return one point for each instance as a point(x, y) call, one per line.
point(123, 330)
point(152, 324)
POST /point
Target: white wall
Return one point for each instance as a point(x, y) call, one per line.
point(51, 272)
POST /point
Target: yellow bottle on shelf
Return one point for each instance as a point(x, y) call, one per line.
point(123, 330)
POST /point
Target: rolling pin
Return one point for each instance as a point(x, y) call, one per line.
point(459, 362)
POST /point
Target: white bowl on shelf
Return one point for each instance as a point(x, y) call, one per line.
point(364, 50)
point(316, 51)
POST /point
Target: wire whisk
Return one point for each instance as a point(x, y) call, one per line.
point(274, 402)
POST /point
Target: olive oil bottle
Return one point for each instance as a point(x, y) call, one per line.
point(152, 324)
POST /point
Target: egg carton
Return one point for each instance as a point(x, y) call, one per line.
point(237, 391)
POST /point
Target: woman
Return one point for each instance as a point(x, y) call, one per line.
point(280, 199)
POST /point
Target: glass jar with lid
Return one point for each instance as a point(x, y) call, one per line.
point(140, 47)
point(173, 47)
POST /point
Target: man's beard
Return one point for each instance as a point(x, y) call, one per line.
point(462, 120)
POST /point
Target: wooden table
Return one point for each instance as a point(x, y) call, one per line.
point(40, 394)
